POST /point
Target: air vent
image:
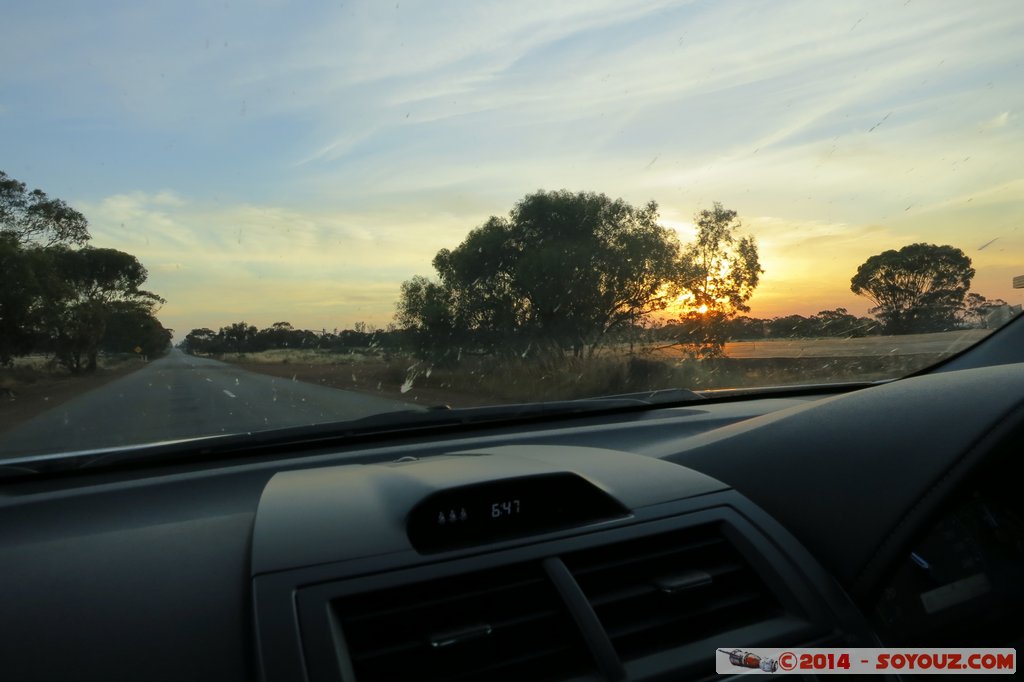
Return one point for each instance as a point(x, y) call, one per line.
point(660, 592)
point(503, 624)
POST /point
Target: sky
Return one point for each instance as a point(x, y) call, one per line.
point(277, 161)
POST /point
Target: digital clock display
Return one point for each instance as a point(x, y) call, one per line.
point(498, 510)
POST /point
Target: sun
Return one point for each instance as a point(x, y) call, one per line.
point(683, 306)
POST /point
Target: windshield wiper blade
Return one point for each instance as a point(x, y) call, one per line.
point(435, 418)
point(442, 414)
point(662, 396)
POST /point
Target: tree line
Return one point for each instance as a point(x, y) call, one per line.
point(241, 337)
point(835, 323)
point(62, 297)
point(566, 273)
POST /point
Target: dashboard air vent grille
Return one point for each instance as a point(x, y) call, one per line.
point(503, 624)
point(664, 591)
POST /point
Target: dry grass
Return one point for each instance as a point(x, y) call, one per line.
point(868, 346)
point(480, 381)
point(48, 365)
point(306, 356)
point(39, 363)
point(525, 381)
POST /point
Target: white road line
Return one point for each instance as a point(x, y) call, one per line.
point(229, 393)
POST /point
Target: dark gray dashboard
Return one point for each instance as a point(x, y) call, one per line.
point(156, 573)
point(322, 503)
point(892, 454)
point(680, 549)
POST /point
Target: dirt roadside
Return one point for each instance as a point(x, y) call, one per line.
point(24, 392)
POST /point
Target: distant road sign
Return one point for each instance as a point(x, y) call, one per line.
point(1018, 282)
point(138, 349)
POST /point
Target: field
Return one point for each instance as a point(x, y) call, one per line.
point(480, 381)
point(944, 343)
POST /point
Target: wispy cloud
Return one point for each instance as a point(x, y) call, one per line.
point(309, 160)
point(998, 121)
point(259, 262)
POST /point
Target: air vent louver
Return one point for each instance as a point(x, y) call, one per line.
point(506, 624)
point(664, 591)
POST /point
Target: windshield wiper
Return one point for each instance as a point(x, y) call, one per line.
point(411, 421)
point(442, 415)
point(663, 396)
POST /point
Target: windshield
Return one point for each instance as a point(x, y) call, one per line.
point(224, 218)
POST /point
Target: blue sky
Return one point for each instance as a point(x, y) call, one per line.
point(283, 161)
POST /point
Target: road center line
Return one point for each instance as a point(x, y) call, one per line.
point(229, 393)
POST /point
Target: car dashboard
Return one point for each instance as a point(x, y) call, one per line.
point(613, 547)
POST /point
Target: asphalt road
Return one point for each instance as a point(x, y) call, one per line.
point(180, 396)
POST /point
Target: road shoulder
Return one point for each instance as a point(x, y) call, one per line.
point(25, 394)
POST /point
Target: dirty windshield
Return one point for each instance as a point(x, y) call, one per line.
point(231, 218)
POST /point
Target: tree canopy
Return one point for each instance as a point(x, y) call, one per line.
point(977, 309)
point(81, 289)
point(558, 274)
point(720, 271)
point(564, 271)
point(920, 288)
point(32, 217)
point(132, 327)
point(19, 291)
point(58, 298)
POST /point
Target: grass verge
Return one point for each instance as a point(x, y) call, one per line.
point(487, 381)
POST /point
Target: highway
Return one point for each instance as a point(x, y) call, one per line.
point(180, 396)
